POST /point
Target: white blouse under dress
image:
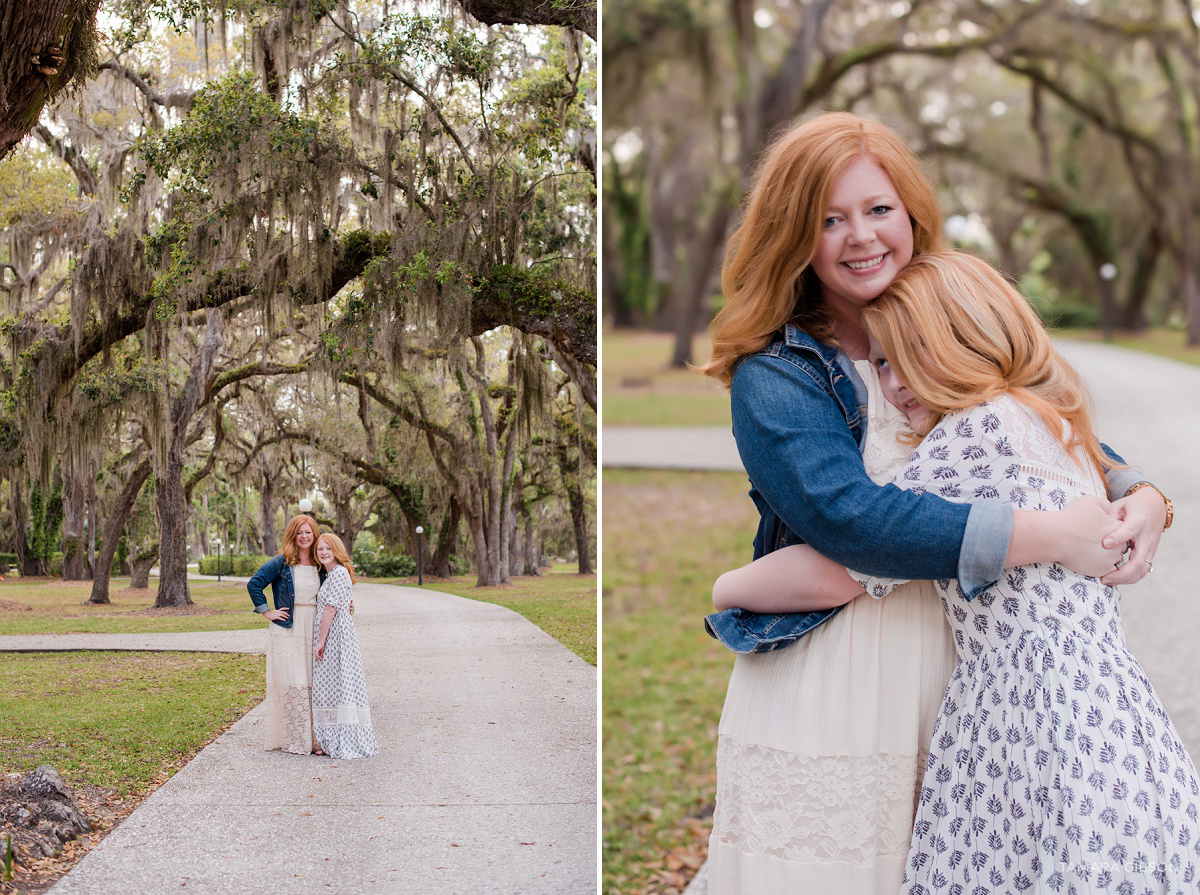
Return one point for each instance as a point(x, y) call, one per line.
point(1053, 766)
point(341, 712)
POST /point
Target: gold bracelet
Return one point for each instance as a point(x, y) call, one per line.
point(1166, 500)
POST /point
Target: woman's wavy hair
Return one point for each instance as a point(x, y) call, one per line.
point(766, 278)
point(291, 553)
point(957, 333)
point(340, 553)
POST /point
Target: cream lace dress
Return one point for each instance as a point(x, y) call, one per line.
point(821, 745)
point(289, 670)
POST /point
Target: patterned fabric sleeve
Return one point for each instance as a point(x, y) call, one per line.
point(336, 589)
point(996, 452)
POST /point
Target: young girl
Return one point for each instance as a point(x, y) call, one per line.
point(294, 578)
point(341, 713)
point(1052, 765)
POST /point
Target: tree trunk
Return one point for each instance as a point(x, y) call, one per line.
point(20, 523)
point(693, 304)
point(438, 565)
point(475, 521)
point(1133, 316)
point(139, 569)
point(170, 495)
point(532, 559)
point(583, 541)
point(267, 503)
point(172, 529)
point(112, 532)
point(581, 16)
point(572, 476)
point(74, 510)
point(42, 47)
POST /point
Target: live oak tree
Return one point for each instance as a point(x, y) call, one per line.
point(423, 175)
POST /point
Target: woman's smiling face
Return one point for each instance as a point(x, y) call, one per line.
point(304, 536)
point(866, 240)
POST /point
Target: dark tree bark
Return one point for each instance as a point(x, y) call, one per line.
point(267, 500)
point(112, 533)
point(140, 566)
point(45, 47)
point(16, 500)
point(74, 566)
point(577, 14)
point(169, 489)
point(439, 564)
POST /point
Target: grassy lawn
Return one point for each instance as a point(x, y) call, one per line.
point(143, 716)
point(640, 389)
point(663, 678)
point(53, 606)
point(561, 602)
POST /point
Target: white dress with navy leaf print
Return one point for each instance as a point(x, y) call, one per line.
point(1053, 766)
point(340, 710)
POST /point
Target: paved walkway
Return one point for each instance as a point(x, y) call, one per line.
point(485, 782)
point(1147, 410)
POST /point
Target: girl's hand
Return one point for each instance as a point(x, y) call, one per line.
point(1082, 529)
point(1142, 515)
point(319, 651)
point(276, 615)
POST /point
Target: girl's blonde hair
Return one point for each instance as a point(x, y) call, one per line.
point(957, 333)
point(767, 279)
point(291, 553)
point(340, 554)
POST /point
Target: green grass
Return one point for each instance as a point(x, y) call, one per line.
point(119, 720)
point(53, 606)
point(561, 602)
point(640, 389)
point(664, 679)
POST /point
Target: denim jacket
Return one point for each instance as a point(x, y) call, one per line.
point(278, 575)
point(799, 429)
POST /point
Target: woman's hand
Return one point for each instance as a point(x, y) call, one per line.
point(1141, 515)
point(319, 650)
point(275, 615)
point(1077, 537)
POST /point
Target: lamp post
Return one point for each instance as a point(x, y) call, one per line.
point(1108, 273)
point(305, 505)
point(420, 557)
point(217, 541)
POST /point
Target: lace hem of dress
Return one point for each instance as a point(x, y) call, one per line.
point(296, 719)
point(815, 808)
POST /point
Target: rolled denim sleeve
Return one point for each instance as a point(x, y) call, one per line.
point(1118, 481)
point(803, 460)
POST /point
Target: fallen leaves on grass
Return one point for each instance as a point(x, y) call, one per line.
point(672, 875)
point(103, 808)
